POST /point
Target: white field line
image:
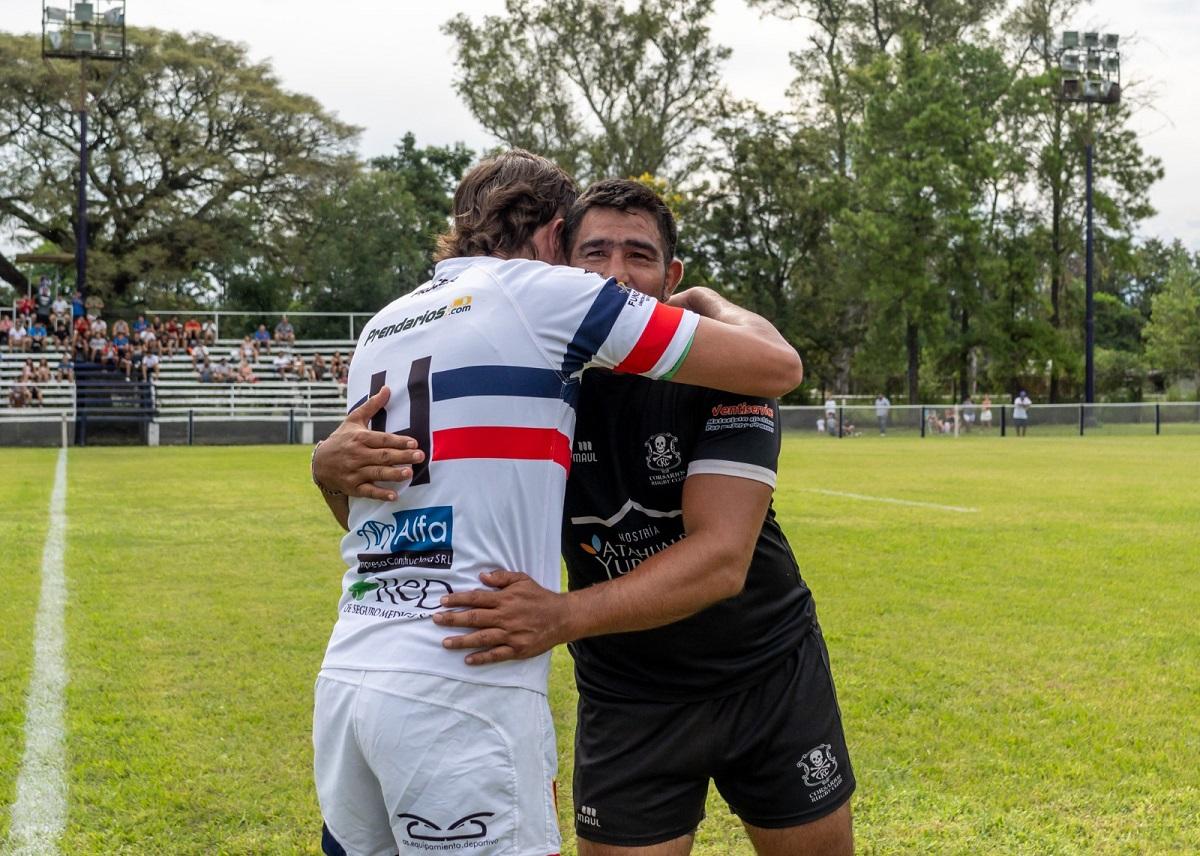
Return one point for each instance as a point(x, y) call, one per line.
point(956, 508)
point(40, 811)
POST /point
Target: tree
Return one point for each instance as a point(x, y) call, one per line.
point(602, 89)
point(1173, 334)
point(197, 156)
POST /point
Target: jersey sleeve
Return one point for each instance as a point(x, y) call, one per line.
point(740, 437)
point(583, 320)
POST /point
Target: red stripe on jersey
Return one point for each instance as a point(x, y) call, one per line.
point(520, 444)
point(654, 341)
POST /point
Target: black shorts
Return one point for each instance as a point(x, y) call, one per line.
point(775, 750)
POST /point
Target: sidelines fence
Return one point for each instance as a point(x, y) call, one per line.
point(929, 420)
point(304, 423)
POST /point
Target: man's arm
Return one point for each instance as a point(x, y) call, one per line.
point(736, 350)
point(354, 458)
point(722, 516)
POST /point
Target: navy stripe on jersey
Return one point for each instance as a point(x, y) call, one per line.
point(595, 327)
point(497, 380)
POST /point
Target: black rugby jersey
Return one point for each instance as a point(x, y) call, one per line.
point(635, 442)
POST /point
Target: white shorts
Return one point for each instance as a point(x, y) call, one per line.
point(419, 764)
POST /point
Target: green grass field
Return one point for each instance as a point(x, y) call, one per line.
point(1021, 679)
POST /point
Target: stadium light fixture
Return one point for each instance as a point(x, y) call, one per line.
point(87, 31)
point(1070, 62)
point(1070, 40)
point(1091, 40)
point(1111, 41)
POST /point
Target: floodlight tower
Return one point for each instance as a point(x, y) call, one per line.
point(1091, 74)
point(88, 31)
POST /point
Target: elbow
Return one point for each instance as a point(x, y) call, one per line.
point(787, 375)
point(730, 578)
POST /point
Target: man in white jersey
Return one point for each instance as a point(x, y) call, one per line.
point(414, 750)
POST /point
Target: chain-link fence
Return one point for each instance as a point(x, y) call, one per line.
point(930, 420)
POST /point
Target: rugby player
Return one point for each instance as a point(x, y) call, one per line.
point(414, 749)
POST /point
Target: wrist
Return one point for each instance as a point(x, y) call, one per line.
point(312, 466)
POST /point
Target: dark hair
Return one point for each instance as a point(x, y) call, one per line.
point(502, 201)
point(623, 195)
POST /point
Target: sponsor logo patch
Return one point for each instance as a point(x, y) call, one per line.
point(418, 537)
point(820, 771)
point(471, 828)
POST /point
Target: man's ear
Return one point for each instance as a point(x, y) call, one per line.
point(547, 242)
point(673, 278)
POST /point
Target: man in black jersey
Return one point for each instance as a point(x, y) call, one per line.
point(697, 658)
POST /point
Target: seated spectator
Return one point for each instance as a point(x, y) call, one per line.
point(335, 365)
point(249, 350)
point(246, 373)
point(96, 347)
point(66, 370)
point(205, 372)
point(99, 326)
point(150, 366)
point(41, 372)
point(284, 333)
point(343, 374)
point(25, 305)
point(133, 362)
point(120, 341)
point(191, 331)
point(110, 357)
point(120, 327)
point(174, 335)
point(6, 325)
point(61, 305)
point(62, 329)
point(319, 369)
point(18, 395)
point(282, 364)
point(222, 372)
point(199, 353)
point(262, 339)
point(146, 336)
point(18, 337)
point(300, 368)
point(37, 337)
point(209, 331)
point(820, 424)
point(82, 327)
point(139, 324)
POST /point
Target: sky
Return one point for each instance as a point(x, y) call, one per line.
point(387, 68)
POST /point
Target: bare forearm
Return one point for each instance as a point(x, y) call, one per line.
point(706, 302)
point(680, 581)
point(339, 506)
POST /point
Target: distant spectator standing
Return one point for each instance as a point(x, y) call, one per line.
point(44, 300)
point(985, 412)
point(882, 406)
point(94, 305)
point(78, 310)
point(968, 414)
point(6, 325)
point(1021, 405)
point(284, 333)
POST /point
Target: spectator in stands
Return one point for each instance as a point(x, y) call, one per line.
point(24, 306)
point(282, 365)
point(985, 412)
point(336, 365)
point(319, 369)
point(110, 357)
point(300, 368)
point(146, 336)
point(61, 305)
point(263, 340)
point(139, 325)
point(284, 334)
point(249, 350)
point(246, 373)
point(222, 372)
point(120, 339)
point(6, 325)
point(78, 310)
point(62, 329)
point(26, 381)
point(96, 347)
point(209, 331)
point(150, 366)
point(133, 361)
point(43, 301)
point(17, 395)
point(94, 304)
point(191, 332)
point(66, 369)
point(18, 336)
point(205, 372)
point(343, 374)
point(174, 334)
point(99, 327)
point(41, 372)
point(199, 353)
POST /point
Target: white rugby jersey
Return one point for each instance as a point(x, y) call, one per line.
point(484, 363)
